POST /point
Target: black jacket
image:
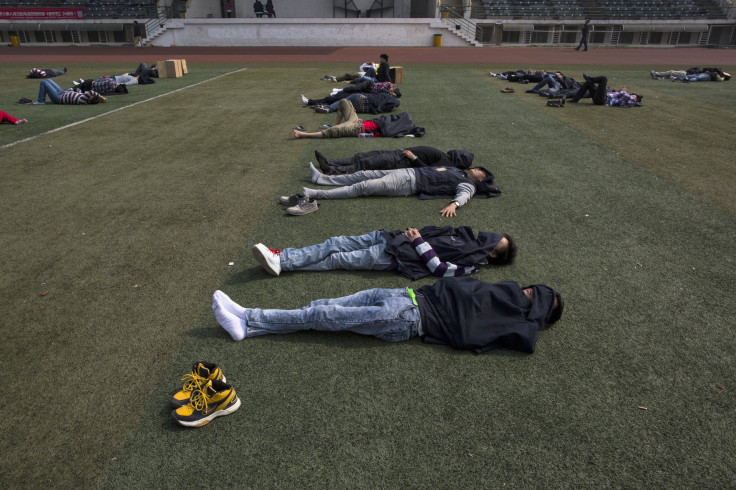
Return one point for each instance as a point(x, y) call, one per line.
point(466, 313)
point(456, 245)
point(383, 74)
point(397, 125)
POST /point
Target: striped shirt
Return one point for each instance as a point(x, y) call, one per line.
point(71, 97)
point(382, 87)
point(436, 266)
point(104, 85)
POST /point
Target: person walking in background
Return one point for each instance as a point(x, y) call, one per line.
point(584, 40)
point(269, 9)
point(137, 34)
point(228, 9)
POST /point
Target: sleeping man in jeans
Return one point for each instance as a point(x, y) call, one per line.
point(461, 312)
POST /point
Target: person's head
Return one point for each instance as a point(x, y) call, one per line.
point(587, 21)
point(556, 309)
point(546, 305)
point(96, 99)
point(395, 92)
point(477, 174)
point(504, 253)
point(121, 88)
point(384, 58)
point(135, 22)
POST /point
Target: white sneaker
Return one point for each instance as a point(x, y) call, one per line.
point(305, 101)
point(268, 258)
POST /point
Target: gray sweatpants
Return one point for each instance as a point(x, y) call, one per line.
point(400, 182)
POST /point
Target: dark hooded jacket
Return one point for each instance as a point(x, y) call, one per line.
point(456, 245)
point(442, 182)
point(466, 313)
point(379, 103)
point(397, 125)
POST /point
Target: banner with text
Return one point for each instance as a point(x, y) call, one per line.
point(41, 13)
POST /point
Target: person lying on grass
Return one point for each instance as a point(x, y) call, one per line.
point(696, 74)
point(6, 118)
point(461, 312)
point(45, 73)
point(57, 95)
point(347, 124)
point(362, 103)
point(377, 91)
point(424, 182)
point(416, 156)
point(412, 253)
point(597, 88)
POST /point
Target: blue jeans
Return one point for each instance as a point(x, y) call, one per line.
point(370, 75)
point(551, 82)
point(364, 252)
point(698, 77)
point(50, 88)
point(387, 314)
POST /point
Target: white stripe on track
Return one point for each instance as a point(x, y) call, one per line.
point(8, 145)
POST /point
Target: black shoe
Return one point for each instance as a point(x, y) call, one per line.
point(324, 164)
point(586, 76)
point(299, 128)
point(65, 70)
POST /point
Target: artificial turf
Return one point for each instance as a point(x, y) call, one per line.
point(116, 232)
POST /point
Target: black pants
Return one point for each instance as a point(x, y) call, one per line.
point(371, 160)
point(596, 86)
point(583, 41)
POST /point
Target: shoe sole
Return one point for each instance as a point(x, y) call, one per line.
point(206, 420)
point(259, 253)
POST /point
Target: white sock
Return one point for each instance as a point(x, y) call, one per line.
point(316, 174)
point(229, 314)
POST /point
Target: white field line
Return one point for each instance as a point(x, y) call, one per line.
point(116, 110)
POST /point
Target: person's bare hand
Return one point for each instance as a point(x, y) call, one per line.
point(408, 154)
point(449, 210)
point(412, 234)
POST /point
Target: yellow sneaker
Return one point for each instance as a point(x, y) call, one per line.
point(214, 399)
point(201, 373)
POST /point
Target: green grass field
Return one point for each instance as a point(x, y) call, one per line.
point(115, 233)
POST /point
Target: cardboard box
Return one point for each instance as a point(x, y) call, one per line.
point(169, 69)
point(397, 74)
point(184, 66)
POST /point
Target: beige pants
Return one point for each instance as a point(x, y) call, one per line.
point(351, 125)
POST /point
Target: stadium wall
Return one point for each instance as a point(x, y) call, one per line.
point(305, 32)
